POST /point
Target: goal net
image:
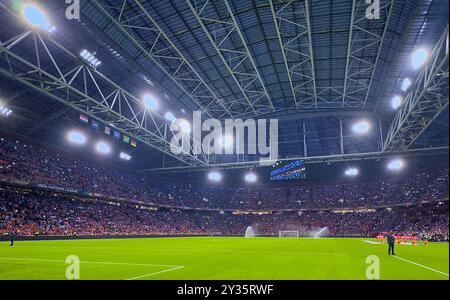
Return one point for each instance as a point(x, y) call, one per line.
point(288, 233)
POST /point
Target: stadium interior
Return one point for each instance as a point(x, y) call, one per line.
point(93, 94)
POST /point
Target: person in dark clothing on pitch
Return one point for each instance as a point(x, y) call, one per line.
point(391, 243)
point(11, 238)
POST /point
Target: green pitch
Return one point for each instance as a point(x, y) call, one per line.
point(221, 258)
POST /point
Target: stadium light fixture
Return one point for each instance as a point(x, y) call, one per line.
point(361, 127)
point(90, 58)
point(77, 137)
point(4, 111)
point(406, 84)
point(215, 176)
point(251, 178)
point(170, 116)
point(396, 102)
point(419, 58)
point(396, 164)
point(150, 102)
point(103, 148)
point(125, 156)
point(352, 172)
point(36, 17)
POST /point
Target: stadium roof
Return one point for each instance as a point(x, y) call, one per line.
point(317, 66)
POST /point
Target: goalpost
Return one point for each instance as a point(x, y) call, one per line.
point(288, 233)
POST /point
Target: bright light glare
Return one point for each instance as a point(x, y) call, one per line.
point(183, 125)
point(351, 172)
point(361, 127)
point(103, 148)
point(125, 156)
point(226, 142)
point(419, 58)
point(396, 102)
point(77, 138)
point(406, 83)
point(150, 102)
point(170, 116)
point(215, 176)
point(251, 178)
point(90, 58)
point(36, 17)
point(4, 111)
point(396, 164)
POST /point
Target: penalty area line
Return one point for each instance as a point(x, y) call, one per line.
point(425, 267)
point(155, 273)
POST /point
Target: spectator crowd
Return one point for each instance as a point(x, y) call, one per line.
point(44, 213)
point(20, 161)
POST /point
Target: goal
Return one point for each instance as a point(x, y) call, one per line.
point(288, 233)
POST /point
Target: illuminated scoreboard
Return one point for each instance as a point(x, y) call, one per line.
point(291, 171)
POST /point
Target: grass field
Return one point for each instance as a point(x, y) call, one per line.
point(221, 258)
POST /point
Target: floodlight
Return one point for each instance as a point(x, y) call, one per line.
point(125, 156)
point(396, 164)
point(4, 111)
point(215, 176)
point(36, 17)
point(419, 58)
point(361, 127)
point(90, 58)
point(396, 102)
point(251, 177)
point(103, 148)
point(150, 102)
point(406, 84)
point(170, 116)
point(77, 138)
point(351, 172)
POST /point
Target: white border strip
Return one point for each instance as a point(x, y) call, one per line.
point(425, 267)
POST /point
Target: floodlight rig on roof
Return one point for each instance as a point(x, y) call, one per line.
point(84, 89)
point(426, 100)
point(160, 50)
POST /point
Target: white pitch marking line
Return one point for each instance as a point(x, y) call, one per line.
point(155, 273)
point(89, 262)
point(425, 267)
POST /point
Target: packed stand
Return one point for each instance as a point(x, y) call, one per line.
point(39, 213)
point(32, 162)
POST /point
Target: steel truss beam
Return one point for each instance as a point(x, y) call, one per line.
point(153, 44)
point(319, 159)
point(38, 61)
point(227, 39)
point(427, 99)
point(331, 113)
point(366, 37)
point(294, 16)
